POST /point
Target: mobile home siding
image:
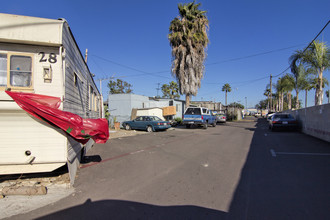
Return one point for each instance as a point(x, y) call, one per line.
point(50, 147)
point(77, 94)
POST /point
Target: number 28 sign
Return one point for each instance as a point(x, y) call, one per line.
point(50, 58)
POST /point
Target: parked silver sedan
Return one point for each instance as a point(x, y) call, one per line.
point(221, 118)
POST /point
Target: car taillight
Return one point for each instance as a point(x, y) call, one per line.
point(202, 117)
point(276, 122)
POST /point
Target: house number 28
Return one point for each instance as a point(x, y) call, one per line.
point(51, 58)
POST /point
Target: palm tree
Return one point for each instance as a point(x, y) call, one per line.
point(306, 86)
point(188, 39)
point(317, 57)
point(267, 93)
point(315, 82)
point(170, 90)
point(279, 95)
point(288, 82)
point(300, 76)
point(226, 88)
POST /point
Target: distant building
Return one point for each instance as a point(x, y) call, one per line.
point(214, 106)
point(121, 105)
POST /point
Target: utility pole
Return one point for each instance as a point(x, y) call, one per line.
point(158, 88)
point(86, 55)
point(270, 102)
point(246, 103)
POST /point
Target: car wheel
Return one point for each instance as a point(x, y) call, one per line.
point(149, 129)
point(214, 124)
point(127, 127)
point(205, 126)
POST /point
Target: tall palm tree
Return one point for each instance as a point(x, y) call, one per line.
point(188, 39)
point(300, 76)
point(279, 95)
point(226, 88)
point(306, 86)
point(317, 57)
point(288, 83)
point(315, 82)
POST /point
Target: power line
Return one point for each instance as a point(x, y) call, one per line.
point(306, 47)
point(253, 55)
point(131, 68)
point(207, 64)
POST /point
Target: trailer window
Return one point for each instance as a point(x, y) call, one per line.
point(3, 70)
point(16, 71)
point(20, 71)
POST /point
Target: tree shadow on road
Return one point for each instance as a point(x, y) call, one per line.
point(126, 210)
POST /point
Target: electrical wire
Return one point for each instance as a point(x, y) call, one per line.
point(207, 64)
point(253, 55)
point(305, 48)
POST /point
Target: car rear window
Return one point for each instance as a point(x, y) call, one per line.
point(193, 111)
point(283, 116)
point(155, 118)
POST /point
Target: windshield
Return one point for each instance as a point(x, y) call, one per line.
point(193, 111)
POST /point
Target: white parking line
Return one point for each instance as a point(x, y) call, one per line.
point(274, 154)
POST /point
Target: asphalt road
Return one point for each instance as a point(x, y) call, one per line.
point(240, 170)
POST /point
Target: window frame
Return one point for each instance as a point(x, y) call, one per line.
point(18, 88)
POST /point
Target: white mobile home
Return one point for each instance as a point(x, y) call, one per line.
point(41, 56)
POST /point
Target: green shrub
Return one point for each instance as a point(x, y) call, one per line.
point(178, 120)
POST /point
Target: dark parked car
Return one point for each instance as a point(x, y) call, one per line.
point(283, 121)
point(148, 123)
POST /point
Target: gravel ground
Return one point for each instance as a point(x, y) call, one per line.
point(58, 187)
point(124, 133)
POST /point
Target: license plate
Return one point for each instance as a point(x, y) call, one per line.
point(165, 124)
point(285, 122)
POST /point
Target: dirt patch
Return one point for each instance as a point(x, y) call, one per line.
point(124, 133)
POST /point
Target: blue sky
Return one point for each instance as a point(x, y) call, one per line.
point(249, 40)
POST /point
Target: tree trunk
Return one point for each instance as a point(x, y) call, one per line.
point(319, 90)
point(289, 100)
point(306, 98)
point(282, 101)
point(187, 101)
point(226, 97)
point(297, 100)
point(318, 96)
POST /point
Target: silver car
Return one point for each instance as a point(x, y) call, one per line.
point(221, 118)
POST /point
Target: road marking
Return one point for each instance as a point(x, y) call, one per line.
point(205, 165)
point(136, 152)
point(274, 154)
